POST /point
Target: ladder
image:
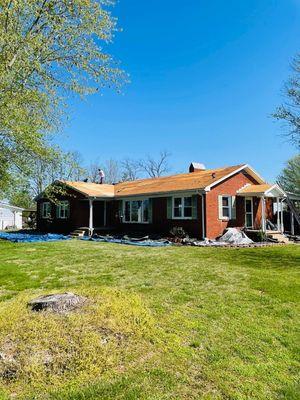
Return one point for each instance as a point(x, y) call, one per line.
point(293, 209)
point(294, 214)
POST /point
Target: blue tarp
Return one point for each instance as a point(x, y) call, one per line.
point(145, 243)
point(32, 237)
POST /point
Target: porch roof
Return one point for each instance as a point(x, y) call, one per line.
point(265, 190)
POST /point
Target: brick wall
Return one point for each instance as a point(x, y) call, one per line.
point(215, 226)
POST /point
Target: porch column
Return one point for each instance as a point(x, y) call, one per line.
point(292, 223)
point(91, 227)
point(278, 216)
point(104, 219)
point(263, 214)
point(281, 215)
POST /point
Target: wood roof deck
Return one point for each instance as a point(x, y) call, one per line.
point(197, 180)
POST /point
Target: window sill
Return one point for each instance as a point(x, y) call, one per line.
point(135, 222)
point(182, 218)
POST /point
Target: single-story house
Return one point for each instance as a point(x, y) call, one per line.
point(10, 216)
point(203, 202)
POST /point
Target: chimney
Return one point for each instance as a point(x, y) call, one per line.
point(195, 167)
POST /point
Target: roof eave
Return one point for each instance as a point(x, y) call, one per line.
point(161, 194)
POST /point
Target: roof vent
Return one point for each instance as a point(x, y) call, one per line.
point(195, 166)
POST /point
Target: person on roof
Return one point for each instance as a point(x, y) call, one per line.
point(101, 176)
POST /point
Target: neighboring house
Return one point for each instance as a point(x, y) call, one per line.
point(10, 216)
point(203, 202)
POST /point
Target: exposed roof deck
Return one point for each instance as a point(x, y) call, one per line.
point(199, 180)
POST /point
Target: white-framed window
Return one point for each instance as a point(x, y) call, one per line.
point(248, 212)
point(227, 208)
point(62, 209)
point(182, 207)
point(136, 211)
point(46, 209)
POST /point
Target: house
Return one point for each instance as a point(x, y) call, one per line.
point(203, 201)
point(10, 216)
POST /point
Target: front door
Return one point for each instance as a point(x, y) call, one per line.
point(248, 212)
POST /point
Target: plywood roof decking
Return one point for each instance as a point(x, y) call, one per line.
point(190, 181)
point(259, 189)
point(92, 189)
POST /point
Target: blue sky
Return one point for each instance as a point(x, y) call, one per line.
point(205, 77)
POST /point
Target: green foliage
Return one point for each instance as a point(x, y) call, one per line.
point(48, 48)
point(289, 112)
point(289, 179)
point(39, 175)
point(181, 323)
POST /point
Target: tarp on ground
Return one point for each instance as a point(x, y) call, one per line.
point(142, 243)
point(232, 236)
point(18, 237)
point(235, 236)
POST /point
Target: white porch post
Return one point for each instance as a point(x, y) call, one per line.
point(104, 213)
point(263, 214)
point(91, 227)
point(278, 216)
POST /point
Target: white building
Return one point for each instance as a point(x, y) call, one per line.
point(10, 216)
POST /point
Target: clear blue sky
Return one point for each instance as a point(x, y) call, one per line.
point(205, 77)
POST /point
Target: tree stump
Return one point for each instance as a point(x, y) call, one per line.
point(59, 302)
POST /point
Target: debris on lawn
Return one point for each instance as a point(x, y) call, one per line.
point(59, 302)
point(19, 237)
point(234, 236)
point(143, 241)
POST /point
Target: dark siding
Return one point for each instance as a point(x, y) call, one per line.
point(160, 223)
point(79, 214)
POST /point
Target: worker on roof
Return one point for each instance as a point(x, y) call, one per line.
point(101, 176)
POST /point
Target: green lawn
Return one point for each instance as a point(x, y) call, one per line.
point(161, 323)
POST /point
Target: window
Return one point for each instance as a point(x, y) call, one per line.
point(182, 207)
point(227, 208)
point(248, 212)
point(62, 210)
point(136, 211)
point(46, 210)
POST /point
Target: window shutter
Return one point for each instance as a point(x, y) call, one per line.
point(194, 206)
point(57, 210)
point(169, 207)
point(233, 207)
point(150, 210)
point(121, 217)
point(68, 210)
point(220, 206)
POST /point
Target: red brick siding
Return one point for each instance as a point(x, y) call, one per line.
point(215, 226)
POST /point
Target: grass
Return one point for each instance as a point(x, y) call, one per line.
point(162, 323)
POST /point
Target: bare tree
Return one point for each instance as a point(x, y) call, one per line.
point(130, 169)
point(93, 174)
point(112, 171)
point(289, 112)
point(155, 167)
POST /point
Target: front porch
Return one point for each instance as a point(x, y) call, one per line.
point(263, 208)
point(95, 219)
